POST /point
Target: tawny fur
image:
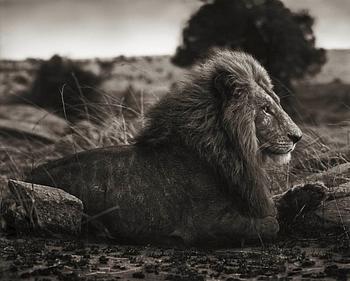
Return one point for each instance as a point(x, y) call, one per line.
point(194, 116)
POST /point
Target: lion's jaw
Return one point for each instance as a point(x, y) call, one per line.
point(280, 159)
point(277, 158)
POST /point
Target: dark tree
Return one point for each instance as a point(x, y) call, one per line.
point(63, 86)
point(281, 40)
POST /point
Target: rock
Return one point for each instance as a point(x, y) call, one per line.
point(333, 177)
point(31, 121)
point(323, 161)
point(299, 200)
point(335, 212)
point(313, 207)
point(44, 208)
point(24, 129)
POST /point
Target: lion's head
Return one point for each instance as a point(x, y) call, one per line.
point(247, 92)
point(228, 114)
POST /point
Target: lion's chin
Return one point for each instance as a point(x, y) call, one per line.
point(281, 158)
point(278, 159)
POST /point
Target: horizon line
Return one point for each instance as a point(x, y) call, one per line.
point(116, 56)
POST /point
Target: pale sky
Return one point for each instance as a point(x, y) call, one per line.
point(108, 28)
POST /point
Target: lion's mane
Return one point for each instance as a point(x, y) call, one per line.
point(194, 116)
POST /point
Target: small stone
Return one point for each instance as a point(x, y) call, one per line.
point(25, 275)
point(331, 270)
point(103, 259)
point(308, 263)
point(138, 275)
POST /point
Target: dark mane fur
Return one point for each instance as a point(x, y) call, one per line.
point(211, 124)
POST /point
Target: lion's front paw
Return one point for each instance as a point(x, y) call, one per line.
point(301, 199)
point(267, 227)
point(308, 196)
point(310, 188)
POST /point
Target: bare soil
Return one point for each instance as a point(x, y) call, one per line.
point(28, 258)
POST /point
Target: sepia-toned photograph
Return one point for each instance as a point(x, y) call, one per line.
point(181, 140)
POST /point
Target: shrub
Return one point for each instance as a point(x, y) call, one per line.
point(63, 86)
point(281, 40)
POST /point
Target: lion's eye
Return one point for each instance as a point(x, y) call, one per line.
point(266, 109)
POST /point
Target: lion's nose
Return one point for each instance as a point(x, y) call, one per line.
point(295, 137)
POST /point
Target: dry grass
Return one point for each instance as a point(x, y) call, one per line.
point(18, 154)
point(129, 88)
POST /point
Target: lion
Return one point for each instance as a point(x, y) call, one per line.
point(195, 173)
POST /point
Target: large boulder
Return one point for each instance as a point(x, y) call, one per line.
point(42, 208)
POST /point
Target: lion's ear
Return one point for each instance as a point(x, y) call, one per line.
point(226, 87)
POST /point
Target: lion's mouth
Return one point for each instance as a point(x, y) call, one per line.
point(280, 149)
